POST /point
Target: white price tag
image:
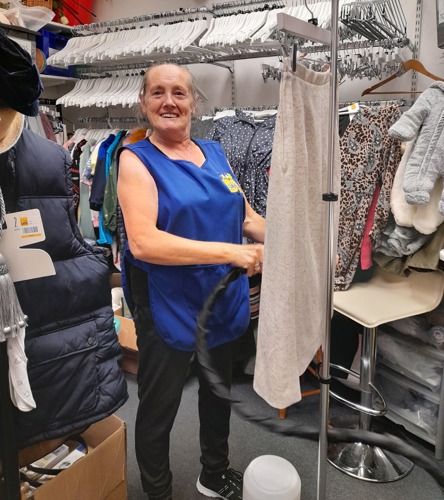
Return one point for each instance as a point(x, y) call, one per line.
point(25, 228)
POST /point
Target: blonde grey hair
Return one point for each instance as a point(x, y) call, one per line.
point(191, 83)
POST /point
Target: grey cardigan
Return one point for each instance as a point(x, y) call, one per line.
point(426, 162)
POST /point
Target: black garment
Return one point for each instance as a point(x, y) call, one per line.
point(344, 121)
point(161, 378)
point(344, 342)
point(75, 175)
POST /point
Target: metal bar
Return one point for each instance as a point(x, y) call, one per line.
point(294, 26)
point(331, 256)
point(368, 358)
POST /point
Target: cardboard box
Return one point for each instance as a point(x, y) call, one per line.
point(101, 474)
point(128, 340)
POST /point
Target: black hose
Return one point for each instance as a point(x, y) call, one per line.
point(286, 427)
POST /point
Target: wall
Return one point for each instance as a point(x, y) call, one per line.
point(250, 88)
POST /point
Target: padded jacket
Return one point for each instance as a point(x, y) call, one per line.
point(73, 353)
point(425, 119)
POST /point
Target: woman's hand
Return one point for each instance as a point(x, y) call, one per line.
point(249, 257)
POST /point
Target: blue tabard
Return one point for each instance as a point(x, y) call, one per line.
point(200, 203)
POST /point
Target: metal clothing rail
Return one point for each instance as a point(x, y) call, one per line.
point(376, 102)
point(297, 28)
point(389, 43)
point(123, 23)
point(113, 119)
point(244, 108)
point(239, 6)
point(83, 72)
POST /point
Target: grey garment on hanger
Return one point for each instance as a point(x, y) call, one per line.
point(34, 123)
point(425, 165)
point(397, 241)
point(201, 128)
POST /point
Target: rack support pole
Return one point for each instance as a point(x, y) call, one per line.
point(9, 483)
point(331, 256)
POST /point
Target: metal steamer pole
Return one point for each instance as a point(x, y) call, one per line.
point(295, 27)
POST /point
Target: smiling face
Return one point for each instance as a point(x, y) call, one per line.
point(168, 101)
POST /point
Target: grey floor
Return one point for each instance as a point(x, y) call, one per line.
point(247, 441)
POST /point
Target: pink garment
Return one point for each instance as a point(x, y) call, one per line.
point(47, 127)
point(366, 246)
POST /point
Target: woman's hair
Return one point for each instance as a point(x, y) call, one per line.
point(191, 82)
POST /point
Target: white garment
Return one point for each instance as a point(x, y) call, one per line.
point(293, 290)
point(19, 388)
point(424, 218)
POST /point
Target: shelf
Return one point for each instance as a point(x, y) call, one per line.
point(53, 81)
point(57, 28)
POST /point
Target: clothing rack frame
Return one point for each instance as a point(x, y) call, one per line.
point(297, 28)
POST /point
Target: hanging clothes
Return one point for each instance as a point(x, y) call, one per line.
point(369, 158)
point(293, 298)
point(248, 144)
point(255, 176)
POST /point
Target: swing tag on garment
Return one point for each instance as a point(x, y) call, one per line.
point(22, 229)
point(231, 184)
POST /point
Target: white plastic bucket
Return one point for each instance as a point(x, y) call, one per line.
point(269, 477)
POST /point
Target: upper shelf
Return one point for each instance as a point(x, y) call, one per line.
point(57, 28)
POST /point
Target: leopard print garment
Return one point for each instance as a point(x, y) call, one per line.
point(369, 157)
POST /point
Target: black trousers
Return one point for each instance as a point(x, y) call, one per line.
point(161, 378)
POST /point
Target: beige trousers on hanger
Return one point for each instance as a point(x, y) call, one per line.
point(293, 294)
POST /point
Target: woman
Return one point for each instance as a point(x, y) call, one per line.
point(185, 216)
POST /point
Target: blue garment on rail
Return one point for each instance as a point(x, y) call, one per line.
point(105, 235)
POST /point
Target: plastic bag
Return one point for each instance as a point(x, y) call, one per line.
point(31, 18)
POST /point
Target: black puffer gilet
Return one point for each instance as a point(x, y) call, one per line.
point(72, 348)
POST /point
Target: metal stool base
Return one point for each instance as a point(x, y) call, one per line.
point(369, 463)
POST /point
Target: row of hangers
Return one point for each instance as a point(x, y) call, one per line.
point(104, 92)
point(218, 36)
point(373, 20)
point(119, 88)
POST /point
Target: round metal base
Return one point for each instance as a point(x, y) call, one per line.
point(369, 463)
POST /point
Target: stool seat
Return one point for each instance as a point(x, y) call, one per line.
point(386, 297)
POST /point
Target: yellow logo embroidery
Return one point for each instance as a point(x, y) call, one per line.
point(231, 184)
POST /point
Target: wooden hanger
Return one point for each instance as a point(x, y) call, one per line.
point(411, 64)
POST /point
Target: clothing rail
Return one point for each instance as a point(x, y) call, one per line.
point(210, 58)
point(123, 23)
point(239, 6)
point(377, 102)
point(112, 119)
point(362, 44)
point(218, 109)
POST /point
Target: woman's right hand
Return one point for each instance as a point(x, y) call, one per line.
point(249, 257)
